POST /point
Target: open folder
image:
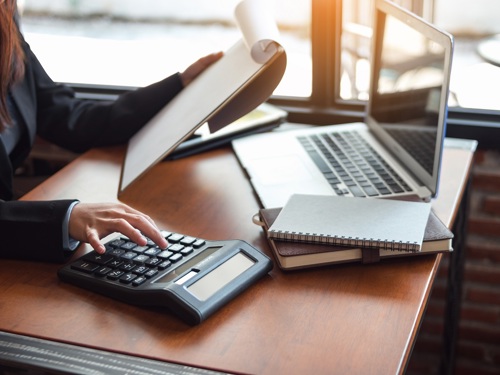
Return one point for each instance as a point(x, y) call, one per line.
point(241, 80)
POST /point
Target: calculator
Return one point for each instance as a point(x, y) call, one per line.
point(192, 277)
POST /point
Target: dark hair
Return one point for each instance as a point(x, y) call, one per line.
point(11, 56)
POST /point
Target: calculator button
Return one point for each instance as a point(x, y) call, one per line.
point(165, 233)
point(129, 255)
point(97, 258)
point(138, 281)
point(116, 243)
point(115, 274)
point(116, 252)
point(84, 266)
point(127, 278)
point(187, 250)
point(188, 241)
point(176, 247)
point(198, 243)
point(128, 245)
point(153, 251)
point(165, 254)
point(127, 266)
point(115, 263)
point(165, 264)
point(150, 273)
point(175, 258)
point(141, 259)
point(175, 237)
point(108, 247)
point(140, 249)
point(103, 271)
point(141, 270)
point(153, 262)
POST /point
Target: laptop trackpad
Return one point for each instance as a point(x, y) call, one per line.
point(279, 170)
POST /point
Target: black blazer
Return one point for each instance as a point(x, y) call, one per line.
point(33, 230)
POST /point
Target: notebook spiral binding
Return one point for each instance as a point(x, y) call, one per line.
point(356, 242)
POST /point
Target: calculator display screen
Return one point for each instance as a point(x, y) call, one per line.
point(209, 284)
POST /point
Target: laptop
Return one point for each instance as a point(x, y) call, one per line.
point(395, 152)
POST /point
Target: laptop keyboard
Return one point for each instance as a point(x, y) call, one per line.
point(351, 165)
point(419, 144)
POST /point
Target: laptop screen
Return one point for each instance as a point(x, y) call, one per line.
point(411, 64)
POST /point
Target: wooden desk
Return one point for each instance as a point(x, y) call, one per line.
point(342, 319)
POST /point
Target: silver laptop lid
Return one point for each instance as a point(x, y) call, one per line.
point(407, 110)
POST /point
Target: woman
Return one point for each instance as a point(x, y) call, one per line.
point(32, 104)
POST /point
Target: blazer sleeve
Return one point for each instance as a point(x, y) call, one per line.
point(78, 124)
point(33, 230)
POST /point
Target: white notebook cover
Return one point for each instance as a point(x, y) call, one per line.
point(350, 221)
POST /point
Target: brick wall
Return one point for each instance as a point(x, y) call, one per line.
point(478, 347)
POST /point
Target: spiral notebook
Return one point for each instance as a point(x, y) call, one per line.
point(297, 255)
point(352, 222)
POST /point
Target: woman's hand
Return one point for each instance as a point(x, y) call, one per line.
point(199, 66)
point(89, 222)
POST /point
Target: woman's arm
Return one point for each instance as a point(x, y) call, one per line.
point(78, 124)
point(35, 230)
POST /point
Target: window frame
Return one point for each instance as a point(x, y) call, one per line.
point(324, 106)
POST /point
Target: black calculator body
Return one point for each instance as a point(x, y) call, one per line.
point(193, 277)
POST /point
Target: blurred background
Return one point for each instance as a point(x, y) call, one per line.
point(132, 43)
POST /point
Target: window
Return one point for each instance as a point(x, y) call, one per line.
point(130, 43)
point(474, 106)
point(475, 77)
point(135, 43)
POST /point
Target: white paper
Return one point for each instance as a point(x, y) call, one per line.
point(218, 94)
point(260, 32)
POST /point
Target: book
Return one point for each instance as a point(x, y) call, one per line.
point(295, 255)
point(351, 221)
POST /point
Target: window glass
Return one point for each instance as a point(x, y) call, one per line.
point(355, 53)
point(135, 43)
point(476, 64)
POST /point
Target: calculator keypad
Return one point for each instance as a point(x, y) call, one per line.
point(130, 264)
